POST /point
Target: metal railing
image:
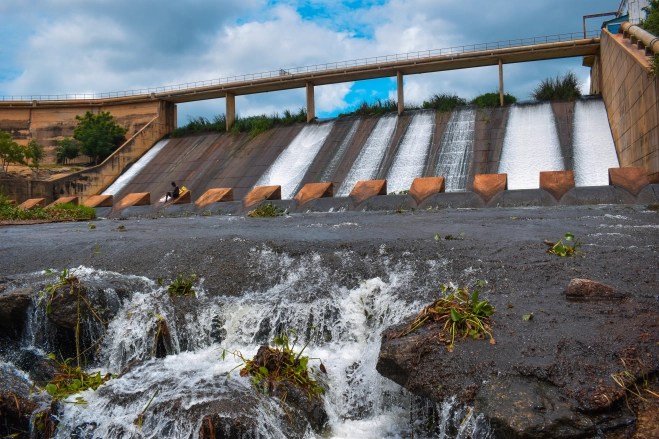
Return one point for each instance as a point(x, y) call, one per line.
point(326, 67)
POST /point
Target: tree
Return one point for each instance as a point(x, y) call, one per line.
point(10, 151)
point(35, 153)
point(99, 135)
point(651, 22)
point(67, 149)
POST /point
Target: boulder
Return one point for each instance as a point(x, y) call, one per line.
point(13, 310)
point(590, 290)
point(17, 402)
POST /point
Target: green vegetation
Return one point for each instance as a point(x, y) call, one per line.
point(564, 88)
point(267, 210)
point(35, 153)
point(491, 100)
point(564, 249)
point(99, 135)
point(459, 314)
point(651, 22)
point(444, 102)
point(274, 365)
point(182, 286)
point(375, 108)
point(67, 149)
point(254, 125)
point(69, 380)
point(10, 151)
point(59, 212)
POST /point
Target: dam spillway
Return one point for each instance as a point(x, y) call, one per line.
point(520, 140)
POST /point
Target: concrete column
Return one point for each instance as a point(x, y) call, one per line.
point(500, 82)
point(401, 97)
point(311, 103)
point(230, 110)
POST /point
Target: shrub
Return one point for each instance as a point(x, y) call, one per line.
point(59, 212)
point(651, 22)
point(444, 102)
point(268, 210)
point(491, 100)
point(67, 149)
point(558, 89)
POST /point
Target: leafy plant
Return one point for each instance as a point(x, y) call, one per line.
point(99, 135)
point(459, 314)
point(69, 380)
point(34, 152)
point(267, 210)
point(564, 249)
point(444, 102)
point(278, 364)
point(67, 149)
point(10, 151)
point(491, 100)
point(182, 286)
point(564, 88)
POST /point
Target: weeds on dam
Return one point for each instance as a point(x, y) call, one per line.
point(564, 88)
point(564, 249)
point(460, 313)
point(58, 212)
point(182, 286)
point(268, 210)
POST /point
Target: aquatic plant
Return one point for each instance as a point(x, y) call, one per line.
point(267, 210)
point(69, 380)
point(182, 286)
point(459, 315)
point(564, 249)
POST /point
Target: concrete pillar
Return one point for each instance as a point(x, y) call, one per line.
point(500, 82)
point(401, 97)
point(230, 110)
point(311, 103)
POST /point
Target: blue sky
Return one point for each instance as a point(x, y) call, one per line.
point(95, 46)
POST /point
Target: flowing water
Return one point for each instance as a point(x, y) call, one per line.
point(530, 146)
point(292, 164)
point(333, 165)
point(456, 150)
point(342, 323)
point(412, 154)
point(594, 150)
point(125, 178)
point(370, 157)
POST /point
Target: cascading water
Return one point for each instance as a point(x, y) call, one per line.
point(368, 161)
point(412, 153)
point(594, 150)
point(137, 167)
point(332, 166)
point(530, 146)
point(456, 150)
point(291, 165)
point(343, 326)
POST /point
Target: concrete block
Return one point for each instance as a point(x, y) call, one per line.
point(215, 195)
point(632, 179)
point(32, 202)
point(423, 187)
point(328, 204)
point(64, 200)
point(488, 185)
point(452, 200)
point(99, 201)
point(524, 198)
point(557, 183)
point(134, 199)
point(184, 198)
point(312, 191)
point(365, 189)
point(393, 203)
point(261, 193)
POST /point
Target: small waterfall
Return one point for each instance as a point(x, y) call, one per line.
point(135, 169)
point(292, 164)
point(456, 150)
point(531, 145)
point(368, 161)
point(594, 150)
point(332, 166)
point(412, 153)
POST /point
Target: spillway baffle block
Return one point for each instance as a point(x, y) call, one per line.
point(261, 193)
point(365, 189)
point(65, 200)
point(632, 179)
point(557, 183)
point(488, 185)
point(423, 187)
point(184, 198)
point(32, 202)
point(99, 201)
point(313, 191)
point(214, 195)
point(134, 199)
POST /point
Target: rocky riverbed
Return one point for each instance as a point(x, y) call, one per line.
point(551, 375)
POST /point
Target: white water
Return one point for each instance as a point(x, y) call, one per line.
point(368, 161)
point(333, 165)
point(135, 169)
point(344, 326)
point(292, 164)
point(594, 150)
point(531, 145)
point(456, 150)
point(411, 157)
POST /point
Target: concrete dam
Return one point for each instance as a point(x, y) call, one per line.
point(520, 141)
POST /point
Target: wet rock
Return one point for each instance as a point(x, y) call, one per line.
point(13, 310)
point(17, 402)
point(590, 290)
point(39, 368)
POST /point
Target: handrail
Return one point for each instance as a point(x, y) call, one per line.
point(456, 50)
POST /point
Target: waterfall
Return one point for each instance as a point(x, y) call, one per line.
point(292, 164)
point(530, 146)
point(456, 150)
point(594, 150)
point(125, 178)
point(332, 166)
point(412, 153)
point(368, 161)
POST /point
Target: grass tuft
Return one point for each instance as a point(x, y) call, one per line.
point(564, 88)
point(267, 210)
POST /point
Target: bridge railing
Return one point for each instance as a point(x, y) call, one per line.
point(359, 62)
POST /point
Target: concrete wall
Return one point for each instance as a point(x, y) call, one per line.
point(630, 96)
